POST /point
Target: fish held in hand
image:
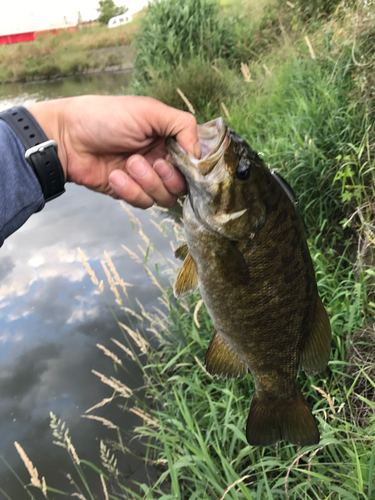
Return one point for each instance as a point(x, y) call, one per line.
point(246, 251)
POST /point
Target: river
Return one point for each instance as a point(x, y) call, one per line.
point(52, 317)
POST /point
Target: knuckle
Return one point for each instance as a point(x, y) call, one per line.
point(191, 121)
point(176, 188)
point(139, 200)
point(136, 197)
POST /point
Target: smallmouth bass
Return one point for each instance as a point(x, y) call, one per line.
point(246, 251)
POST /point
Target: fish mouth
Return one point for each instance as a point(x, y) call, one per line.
point(214, 140)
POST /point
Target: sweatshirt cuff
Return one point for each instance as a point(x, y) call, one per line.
point(20, 192)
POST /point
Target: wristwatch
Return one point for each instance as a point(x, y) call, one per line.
point(40, 152)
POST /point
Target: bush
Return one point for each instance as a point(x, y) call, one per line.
point(176, 30)
point(108, 9)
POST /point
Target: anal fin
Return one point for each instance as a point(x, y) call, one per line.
point(315, 354)
point(222, 361)
point(287, 419)
point(187, 278)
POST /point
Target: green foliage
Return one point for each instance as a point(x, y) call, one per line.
point(108, 9)
point(176, 30)
point(316, 136)
point(204, 87)
point(315, 9)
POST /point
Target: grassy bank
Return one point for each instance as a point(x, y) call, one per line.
point(50, 56)
point(308, 105)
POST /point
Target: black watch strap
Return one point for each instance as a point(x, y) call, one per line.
point(40, 152)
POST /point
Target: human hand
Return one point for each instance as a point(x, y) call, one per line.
point(115, 145)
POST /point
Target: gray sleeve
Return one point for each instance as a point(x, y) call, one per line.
point(20, 191)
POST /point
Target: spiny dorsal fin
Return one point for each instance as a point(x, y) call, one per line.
point(181, 251)
point(187, 279)
point(222, 361)
point(287, 419)
point(315, 354)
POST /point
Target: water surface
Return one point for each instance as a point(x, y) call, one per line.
point(52, 317)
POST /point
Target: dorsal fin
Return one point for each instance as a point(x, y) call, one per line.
point(222, 361)
point(187, 278)
point(315, 354)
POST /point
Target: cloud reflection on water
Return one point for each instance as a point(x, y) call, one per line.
point(52, 317)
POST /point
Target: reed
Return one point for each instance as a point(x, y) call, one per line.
point(177, 30)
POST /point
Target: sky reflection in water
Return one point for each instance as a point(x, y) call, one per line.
point(52, 316)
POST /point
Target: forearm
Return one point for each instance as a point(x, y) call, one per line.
point(20, 191)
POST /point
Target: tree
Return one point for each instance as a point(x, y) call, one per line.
point(108, 9)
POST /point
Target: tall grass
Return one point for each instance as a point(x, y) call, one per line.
point(175, 31)
point(312, 132)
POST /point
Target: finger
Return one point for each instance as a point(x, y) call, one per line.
point(142, 172)
point(167, 121)
point(172, 178)
point(186, 133)
point(155, 154)
point(129, 190)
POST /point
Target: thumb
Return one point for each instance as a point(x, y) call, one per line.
point(167, 121)
point(184, 127)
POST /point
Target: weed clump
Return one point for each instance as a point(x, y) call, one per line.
point(206, 87)
point(174, 31)
point(315, 9)
point(361, 368)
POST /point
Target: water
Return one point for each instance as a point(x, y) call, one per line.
point(52, 317)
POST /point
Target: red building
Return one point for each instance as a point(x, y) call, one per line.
point(27, 36)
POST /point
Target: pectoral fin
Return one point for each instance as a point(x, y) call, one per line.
point(187, 279)
point(181, 251)
point(315, 354)
point(222, 361)
point(232, 265)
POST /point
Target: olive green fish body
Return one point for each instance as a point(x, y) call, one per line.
point(247, 248)
point(274, 304)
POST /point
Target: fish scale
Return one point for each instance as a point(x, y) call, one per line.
point(247, 253)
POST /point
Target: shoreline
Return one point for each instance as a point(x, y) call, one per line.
point(87, 51)
point(125, 68)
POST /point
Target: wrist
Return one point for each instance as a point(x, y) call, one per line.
point(40, 150)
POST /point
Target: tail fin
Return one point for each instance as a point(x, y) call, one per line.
point(290, 419)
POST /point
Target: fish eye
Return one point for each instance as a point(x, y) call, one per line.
point(243, 171)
